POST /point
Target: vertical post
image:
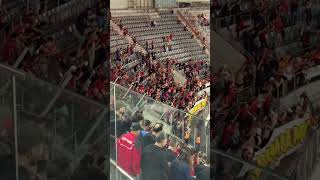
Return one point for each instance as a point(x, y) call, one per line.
point(15, 120)
point(73, 132)
point(183, 129)
point(115, 126)
point(55, 132)
point(75, 148)
point(195, 136)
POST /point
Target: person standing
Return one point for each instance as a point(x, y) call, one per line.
point(150, 138)
point(182, 166)
point(171, 150)
point(154, 163)
point(202, 170)
point(129, 151)
point(308, 11)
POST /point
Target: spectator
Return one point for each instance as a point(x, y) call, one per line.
point(10, 49)
point(129, 151)
point(154, 164)
point(101, 15)
point(151, 137)
point(294, 10)
point(308, 11)
point(202, 170)
point(172, 148)
point(181, 167)
point(147, 126)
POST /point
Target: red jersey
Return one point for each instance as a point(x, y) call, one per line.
point(129, 156)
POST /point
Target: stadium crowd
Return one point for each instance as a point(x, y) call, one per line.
point(54, 56)
point(151, 154)
point(156, 79)
point(48, 58)
point(144, 151)
point(246, 109)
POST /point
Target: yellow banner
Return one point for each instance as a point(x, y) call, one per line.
point(280, 147)
point(198, 107)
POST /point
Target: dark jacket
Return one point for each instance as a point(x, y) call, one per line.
point(154, 164)
point(180, 170)
point(170, 155)
point(148, 139)
point(202, 172)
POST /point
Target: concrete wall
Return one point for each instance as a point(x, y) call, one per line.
point(224, 54)
point(118, 4)
point(312, 90)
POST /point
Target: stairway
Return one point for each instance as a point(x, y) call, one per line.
point(137, 47)
point(185, 23)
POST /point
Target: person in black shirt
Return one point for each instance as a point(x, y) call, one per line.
point(150, 138)
point(154, 162)
point(171, 149)
point(202, 170)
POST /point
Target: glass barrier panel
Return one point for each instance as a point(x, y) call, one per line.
point(60, 140)
point(228, 167)
point(35, 95)
point(7, 133)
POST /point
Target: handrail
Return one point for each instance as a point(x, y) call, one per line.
point(24, 75)
point(12, 71)
point(159, 102)
point(112, 162)
point(250, 164)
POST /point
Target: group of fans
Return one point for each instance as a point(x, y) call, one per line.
point(156, 79)
point(245, 122)
point(145, 151)
point(79, 51)
point(48, 58)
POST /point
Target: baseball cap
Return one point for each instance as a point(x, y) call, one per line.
point(135, 126)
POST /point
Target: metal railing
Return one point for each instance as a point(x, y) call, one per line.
point(156, 111)
point(116, 173)
point(70, 127)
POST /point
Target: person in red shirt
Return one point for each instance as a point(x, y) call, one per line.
point(129, 151)
point(279, 27)
point(254, 106)
point(227, 135)
point(10, 49)
point(284, 7)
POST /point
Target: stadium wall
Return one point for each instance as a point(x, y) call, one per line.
point(119, 4)
point(226, 54)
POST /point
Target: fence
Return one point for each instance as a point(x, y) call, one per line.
point(116, 173)
point(72, 127)
point(173, 119)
